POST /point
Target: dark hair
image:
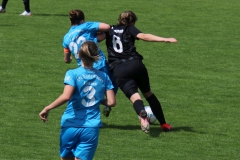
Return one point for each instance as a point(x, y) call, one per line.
point(89, 53)
point(127, 18)
point(76, 16)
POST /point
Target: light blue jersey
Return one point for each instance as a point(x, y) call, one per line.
point(79, 34)
point(89, 90)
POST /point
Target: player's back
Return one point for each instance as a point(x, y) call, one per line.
point(89, 90)
point(80, 33)
point(120, 42)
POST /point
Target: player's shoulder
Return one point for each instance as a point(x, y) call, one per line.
point(96, 71)
point(77, 70)
point(91, 23)
point(70, 32)
point(117, 27)
point(100, 73)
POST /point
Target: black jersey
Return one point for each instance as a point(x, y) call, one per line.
point(120, 42)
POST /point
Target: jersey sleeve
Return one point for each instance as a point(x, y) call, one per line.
point(108, 83)
point(69, 79)
point(65, 43)
point(93, 26)
point(134, 31)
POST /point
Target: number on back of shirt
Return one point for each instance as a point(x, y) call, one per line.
point(117, 44)
point(90, 99)
point(75, 46)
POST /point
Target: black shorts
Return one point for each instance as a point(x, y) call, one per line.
point(130, 76)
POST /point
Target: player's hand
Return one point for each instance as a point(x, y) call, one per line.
point(171, 40)
point(44, 114)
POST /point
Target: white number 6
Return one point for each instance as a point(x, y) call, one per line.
point(117, 43)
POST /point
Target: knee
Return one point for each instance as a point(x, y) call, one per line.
point(147, 94)
point(136, 96)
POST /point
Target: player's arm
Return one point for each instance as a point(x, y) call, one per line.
point(110, 100)
point(103, 27)
point(63, 98)
point(101, 36)
point(154, 38)
point(67, 55)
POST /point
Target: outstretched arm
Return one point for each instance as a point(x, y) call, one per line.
point(103, 27)
point(63, 98)
point(154, 38)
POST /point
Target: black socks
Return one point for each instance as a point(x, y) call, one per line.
point(4, 3)
point(138, 106)
point(156, 108)
point(27, 6)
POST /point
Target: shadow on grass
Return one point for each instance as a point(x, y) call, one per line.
point(154, 129)
point(154, 132)
point(186, 129)
point(126, 127)
point(43, 14)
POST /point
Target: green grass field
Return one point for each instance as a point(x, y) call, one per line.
point(196, 80)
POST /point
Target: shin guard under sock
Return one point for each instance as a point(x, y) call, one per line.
point(138, 106)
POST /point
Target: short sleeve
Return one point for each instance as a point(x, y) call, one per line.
point(93, 26)
point(108, 83)
point(134, 31)
point(64, 43)
point(69, 78)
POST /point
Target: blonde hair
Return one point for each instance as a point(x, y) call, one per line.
point(89, 53)
point(126, 18)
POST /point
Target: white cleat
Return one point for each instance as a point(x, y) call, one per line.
point(2, 10)
point(25, 13)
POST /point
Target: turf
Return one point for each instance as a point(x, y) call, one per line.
point(196, 80)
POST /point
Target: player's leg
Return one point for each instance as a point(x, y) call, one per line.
point(27, 11)
point(144, 86)
point(87, 143)
point(27, 5)
point(157, 110)
point(68, 140)
point(124, 75)
point(3, 6)
point(140, 110)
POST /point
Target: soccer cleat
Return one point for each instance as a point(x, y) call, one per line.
point(25, 13)
point(166, 127)
point(106, 111)
point(2, 10)
point(144, 121)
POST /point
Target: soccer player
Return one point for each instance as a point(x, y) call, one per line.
point(26, 3)
point(84, 90)
point(128, 70)
point(80, 32)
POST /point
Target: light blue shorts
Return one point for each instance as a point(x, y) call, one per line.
point(78, 142)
